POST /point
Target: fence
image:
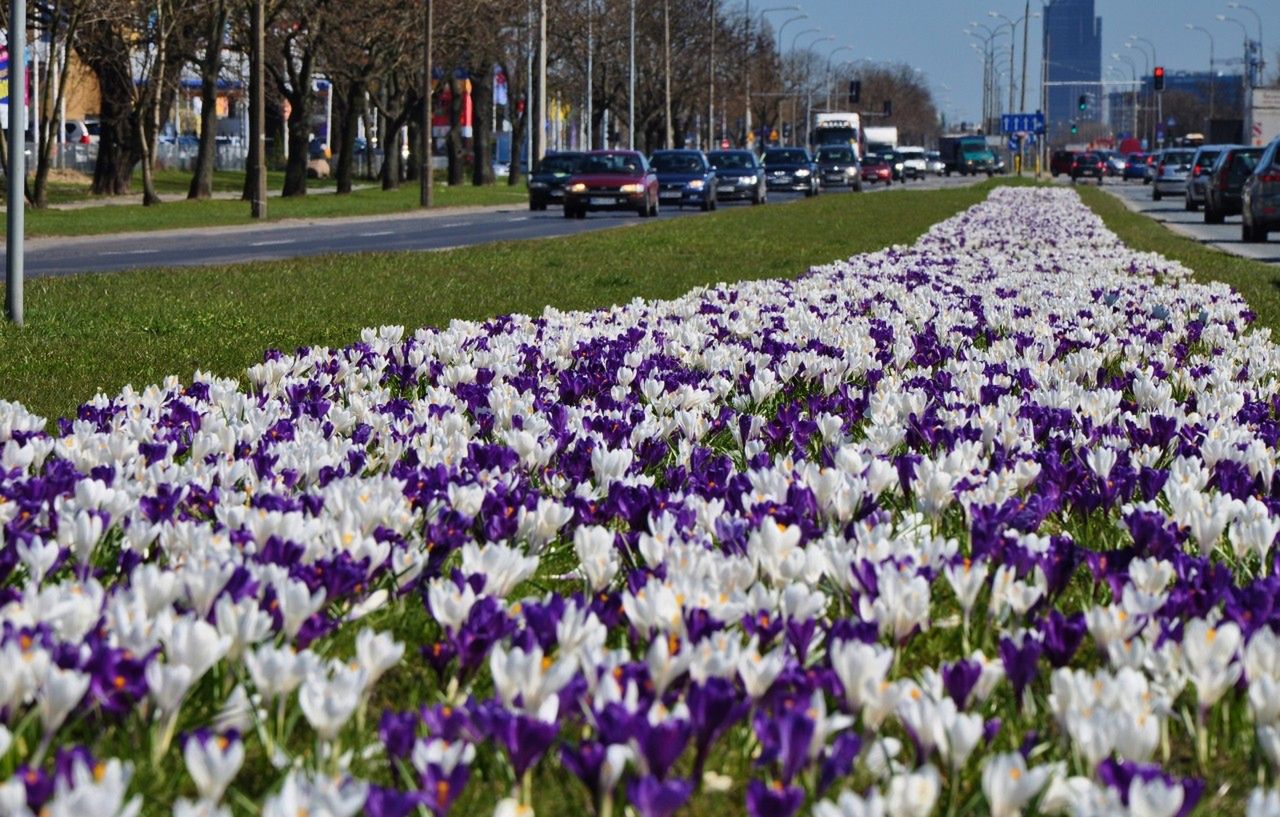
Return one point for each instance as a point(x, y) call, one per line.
point(181, 156)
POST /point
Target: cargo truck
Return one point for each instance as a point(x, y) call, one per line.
point(966, 154)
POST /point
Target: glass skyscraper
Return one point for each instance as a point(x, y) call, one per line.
point(1073, 52)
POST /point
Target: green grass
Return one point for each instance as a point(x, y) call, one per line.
point(74, 188)
point(98, 332)
point(217, 213)
point(1259, 283)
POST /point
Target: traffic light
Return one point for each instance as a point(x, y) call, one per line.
point(888, 107)
point(1157, 78)
point(1083, 102)
point(1074, 128)
point(855, 91)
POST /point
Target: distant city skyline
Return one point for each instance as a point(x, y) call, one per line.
point(929, 35)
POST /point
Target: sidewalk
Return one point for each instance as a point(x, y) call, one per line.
point(136, 198)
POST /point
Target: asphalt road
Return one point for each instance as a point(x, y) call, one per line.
point(414, 231)
point(1171, 212)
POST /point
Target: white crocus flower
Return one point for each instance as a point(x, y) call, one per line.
point(913, 794)
point(849, 804)
point(1210, 654)
point(1009, 785)
point(1154, 798)
point(60, 691)
point(213, 764)
point(329, 700)
point(376, 653)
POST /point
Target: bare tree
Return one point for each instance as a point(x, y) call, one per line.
point(212, 26)
point(294, 46)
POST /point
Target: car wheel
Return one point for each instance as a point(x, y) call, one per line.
point(568, 212)
point(1155, 194)
point(1189, 205)
point(1212, 216)
point(1247, 234)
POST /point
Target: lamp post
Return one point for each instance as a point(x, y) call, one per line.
point(1154, 62)
point(763, 12)
point(829, 78)
point(426, 195)
point(1258, 18)
point(1246, 137)
point(590, 53)
point(1013, 38)
point(1133, 75)
point(986, 70)
point(791, 99)
point(14, 272)
point(808, 108)
point(1146, 72)
point(631, 82)
point(1213, 80)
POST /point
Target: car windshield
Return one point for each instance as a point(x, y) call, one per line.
point(785, 157)
point(677, 163)
point(835, 155)
point(1246, 160)
point(731, 159)
point(611, 163)
point(1207, 157)
point(1177, 157)
point(559, 164)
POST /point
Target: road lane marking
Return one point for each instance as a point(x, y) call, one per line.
point(453, 225)
point(132, 252)
point(275, 243)
point(378, 233)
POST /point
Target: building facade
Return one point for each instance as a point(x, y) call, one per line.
point(1073, 55)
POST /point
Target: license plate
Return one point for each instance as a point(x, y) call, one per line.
point(603, 201)
point(666, 195)
point(726, 188)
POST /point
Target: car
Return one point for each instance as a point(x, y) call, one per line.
point(791, 169)
point(876, 168)
point(739, 175)
point(934, 164)
point(1115, 163)
point(1135, 167)
point(914, 164)
point(838, 165)
point(1171, 173)
point(546, 183)
point(1260, 197)
point(1226, 181)
point(1087, 165)
point(1201, 163)
point(997, 164)
point(1060, 162)
point(612, 180)
point(685, 177)
point(894, 158)
point(82, 131)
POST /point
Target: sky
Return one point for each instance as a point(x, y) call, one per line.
point(928, 35)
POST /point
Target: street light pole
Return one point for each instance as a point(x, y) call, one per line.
point(590, 49)
point(1261, 53)
point(14, 272)
point(258, 113)
point(747, 66)
point(426, 193)
point(1213, 80)
point(668, 143)
point(631, 82)
point(830, 80)
point(542, 80)
point(711, 79)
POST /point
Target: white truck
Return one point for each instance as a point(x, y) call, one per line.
point(881, 138)
point(836, 128)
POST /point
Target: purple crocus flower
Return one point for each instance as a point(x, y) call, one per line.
point(773, 799)
point(652, 797)
point(1020, 661)
point(960, 678)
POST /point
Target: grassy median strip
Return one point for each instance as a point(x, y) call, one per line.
point(171, 215)
point(1259, 283)
point(98, 332)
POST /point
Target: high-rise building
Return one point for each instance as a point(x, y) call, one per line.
point(1073, 54)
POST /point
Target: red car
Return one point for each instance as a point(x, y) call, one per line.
point(1060, 162)
point(612, 180)
point(876, 168)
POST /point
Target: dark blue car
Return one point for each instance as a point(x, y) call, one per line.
point(792, 169)
point(739, 175)
point(685, 177)
point(546, 184)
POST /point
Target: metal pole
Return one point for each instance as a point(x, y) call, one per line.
point(258, 114)
point(1022, 99)
point(542, 79)
point(17, 162)
point(711, 81)
point(528, 86)
point(590, 49)
point(426, 192)
point(669, 140)
point(631, 95)
point(746, 69)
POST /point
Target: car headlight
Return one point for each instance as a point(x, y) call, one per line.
point(750, 179)
point(850, 170)
point(537, 185)
point(578, 187)
point(696, 184)
point(801, 173)
point(632, 188)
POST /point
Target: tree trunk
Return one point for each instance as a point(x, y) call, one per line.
point(482, 146)
point(390, 154)
point(295, 172)
point(352, 110)
point(457, 168)
point(414, 165)
point(117, 138)
point(210, 66)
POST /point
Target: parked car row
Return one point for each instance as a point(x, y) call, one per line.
point(628, 180)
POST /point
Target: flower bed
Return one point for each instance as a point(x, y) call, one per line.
point(956, 528)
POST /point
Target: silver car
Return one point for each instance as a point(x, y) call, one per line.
point(1171, 173)
point(934, 165)
point(1197, 183)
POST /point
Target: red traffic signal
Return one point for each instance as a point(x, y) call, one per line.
point(1157, 78)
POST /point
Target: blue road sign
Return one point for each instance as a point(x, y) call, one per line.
point(1013, 143)
point(1022, 122)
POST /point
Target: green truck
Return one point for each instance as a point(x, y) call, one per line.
point(966, 154)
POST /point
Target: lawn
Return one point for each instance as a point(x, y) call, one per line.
point(1259, 283)
point(221, 212)
point(98, 332)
